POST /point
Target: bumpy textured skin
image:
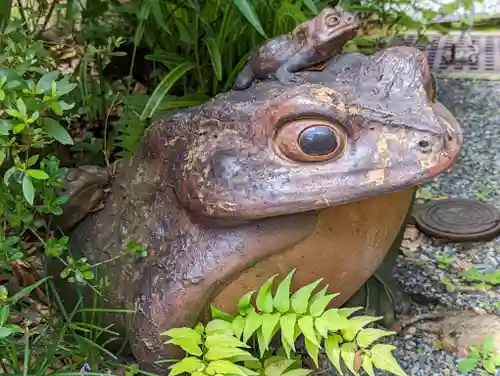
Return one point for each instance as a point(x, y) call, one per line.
point(214, 190)
point(310, 43)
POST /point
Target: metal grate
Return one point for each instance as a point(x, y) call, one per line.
point(488, 61)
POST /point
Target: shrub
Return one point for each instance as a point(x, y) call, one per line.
point(222, 345)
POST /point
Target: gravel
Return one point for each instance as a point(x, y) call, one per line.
point(476, 105)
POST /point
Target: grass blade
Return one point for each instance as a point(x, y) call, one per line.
point(163, 87)
point(158, 15)
point(25, 291)
point(311, 6)
point(249, 13)
point(214, 53)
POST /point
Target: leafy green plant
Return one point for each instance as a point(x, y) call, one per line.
point(486, 356)
point(222, 346)
point(474, 275)
point(445, 261)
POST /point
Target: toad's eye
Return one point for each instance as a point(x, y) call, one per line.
point(311, 140)
point(332, 21)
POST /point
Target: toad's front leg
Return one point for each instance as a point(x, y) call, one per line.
point(301, 60)
point(177, 294)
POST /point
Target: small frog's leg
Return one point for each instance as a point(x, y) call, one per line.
point(301, 60)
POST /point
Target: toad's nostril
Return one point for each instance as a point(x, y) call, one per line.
point(423, 144)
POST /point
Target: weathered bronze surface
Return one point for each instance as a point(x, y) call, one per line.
point(225, 194)
point(312, 42)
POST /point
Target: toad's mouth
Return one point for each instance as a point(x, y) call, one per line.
point(346, 30)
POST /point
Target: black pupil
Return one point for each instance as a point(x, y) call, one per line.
point(318, 140)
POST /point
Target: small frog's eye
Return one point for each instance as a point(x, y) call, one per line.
point(332, 20)
point(311, 140)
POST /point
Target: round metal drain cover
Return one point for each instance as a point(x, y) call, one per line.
point(459, 220)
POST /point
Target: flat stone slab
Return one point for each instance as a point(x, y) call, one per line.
point(486, 65)
point(458, 220)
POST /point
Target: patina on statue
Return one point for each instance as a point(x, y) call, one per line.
point(217, 189)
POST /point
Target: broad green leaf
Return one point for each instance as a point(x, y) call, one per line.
point(28, 189)
point(184, 333)
point(245, 303)
point(223, 340)
point(189, 364)
point(335, 321)
point(21, 106)
point(348, 354)
point(319, 294)
point(382, 358)
point(248, 359)
point(248, 11)
point(367, 365)
point(4, 314)
point(348, 311)
point(215, 56)
point(163, 87)
point(263, 346)
point(219, 326)
point(322, 326)
point(489, 365)
point(238, 325)
point(64, 86)
point(306, 325)
point(218, 314)
point(282, 298)
point(313, 350)
point(44, 84)
point(32, 160)
point(188, 345)
point(287, 325)
point(468, 364)
point(269, 323)
point(264, 299)
point(248, 371)
point(252, 323)
point(6, 331)
point(356, 324)
point(276, 365)
point(18, 128)
point(367, 336)
point(332, 350)
point(198, 328)
point(488, 346)
point(216, 353)
point(287, 349)
point(37, 174)
point(56, 130)
point(319, 305)
point(5, 127)
point(298, 372)
point(300, 299)
point(3, 155)
point(224, 367)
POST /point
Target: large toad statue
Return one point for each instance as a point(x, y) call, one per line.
point(314, 174)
